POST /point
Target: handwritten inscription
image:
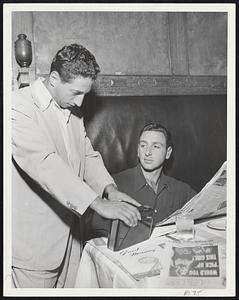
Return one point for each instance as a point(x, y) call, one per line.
point(138, 251)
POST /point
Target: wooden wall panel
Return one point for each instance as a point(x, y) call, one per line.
point(140, 53)
point(207, 43)
point(178, 43)
point(123, 42)
point(113, 85)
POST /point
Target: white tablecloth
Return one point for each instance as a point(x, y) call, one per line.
point(100, 267)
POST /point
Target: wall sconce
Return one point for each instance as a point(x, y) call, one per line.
point(23, 55)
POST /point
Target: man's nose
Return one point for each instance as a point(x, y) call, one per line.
point(78, 100)
point(148, 151)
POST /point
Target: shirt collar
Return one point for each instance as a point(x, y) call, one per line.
point(66, 112)
point(163, 182)
point(140, 181)
point(44, 98)
point(41, 94)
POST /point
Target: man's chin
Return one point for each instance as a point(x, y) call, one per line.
point(148, 168)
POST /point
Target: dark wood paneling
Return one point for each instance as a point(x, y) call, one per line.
point(122, 42)
point(123, 85)
point(159, 85)
point(207, 43)
point(178, 43)
point(161, 44)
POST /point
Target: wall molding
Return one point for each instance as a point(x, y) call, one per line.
point(153, 85)
point(127, 85)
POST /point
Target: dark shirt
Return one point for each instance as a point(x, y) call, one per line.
point(171, 195)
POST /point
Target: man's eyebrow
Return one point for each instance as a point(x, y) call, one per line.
point(76, 91)
point(146, 141)
point(158, 143)
point(143, 141)
point(79, 91)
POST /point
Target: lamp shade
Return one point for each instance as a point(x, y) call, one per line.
point(23, 51)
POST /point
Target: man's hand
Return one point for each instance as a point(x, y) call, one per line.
point(112, 193)
point(129, 214)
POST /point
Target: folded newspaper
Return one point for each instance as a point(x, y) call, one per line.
point(166, 264)
point(209, 202)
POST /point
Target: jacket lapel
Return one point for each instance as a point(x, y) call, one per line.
point(78, 151)
point(49, 121)
point(55, 133)
point(76, 131)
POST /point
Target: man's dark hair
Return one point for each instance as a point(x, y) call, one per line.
point(73, 61)
point(160, 128)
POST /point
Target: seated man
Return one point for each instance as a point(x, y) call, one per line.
point(147, 182)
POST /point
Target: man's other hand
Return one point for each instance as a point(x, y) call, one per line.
point(129, 214)
point(112, 193)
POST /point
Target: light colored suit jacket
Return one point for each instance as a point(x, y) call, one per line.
point(45, 189)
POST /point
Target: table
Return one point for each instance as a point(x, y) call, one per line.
point(101, 267)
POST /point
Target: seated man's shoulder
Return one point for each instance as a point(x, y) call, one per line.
point(124, 175)
point(180, 185)
point(124, 179)
point(176, 181)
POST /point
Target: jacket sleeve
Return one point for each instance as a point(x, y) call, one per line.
point(95, 174)
point(35, 153)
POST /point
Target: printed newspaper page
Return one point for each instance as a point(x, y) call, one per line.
point(166, 264)
point(210, 201)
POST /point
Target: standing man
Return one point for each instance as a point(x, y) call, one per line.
point(147, 182)
point(56, 174)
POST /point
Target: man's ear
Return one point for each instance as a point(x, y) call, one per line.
point(169, 151)
point(54, 78)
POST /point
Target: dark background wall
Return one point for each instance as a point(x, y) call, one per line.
point(198, 125)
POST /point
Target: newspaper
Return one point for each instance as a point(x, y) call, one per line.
point(166, 264)
point(146, 259)
point(210, 201)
